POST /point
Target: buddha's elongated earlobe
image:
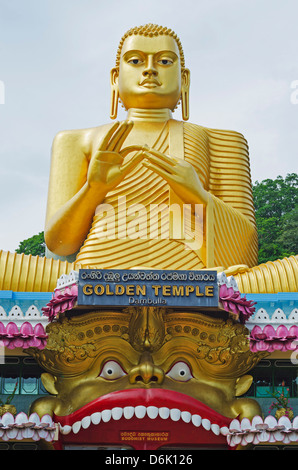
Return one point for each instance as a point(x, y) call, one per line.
point(114, 93)
point(185, 94)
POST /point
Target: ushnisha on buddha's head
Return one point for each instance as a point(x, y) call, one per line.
point(150, 71)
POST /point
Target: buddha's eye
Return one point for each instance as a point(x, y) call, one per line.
point(180, 371)
point(165, 62)
point(112, 371)
point(135, 61)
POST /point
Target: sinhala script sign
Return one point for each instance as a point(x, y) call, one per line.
point(122, 288)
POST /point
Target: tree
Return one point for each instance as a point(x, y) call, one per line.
point(34, 245)
point(289, 236)
point(276, 206)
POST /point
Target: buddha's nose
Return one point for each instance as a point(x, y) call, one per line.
point(150, 69)
point(146, 371)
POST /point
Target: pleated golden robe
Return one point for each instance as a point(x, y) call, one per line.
point(126, 232)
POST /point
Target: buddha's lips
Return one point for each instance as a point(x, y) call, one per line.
point(145, 403)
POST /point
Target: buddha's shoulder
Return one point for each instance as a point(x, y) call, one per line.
point(215, 134)
point(83, 138)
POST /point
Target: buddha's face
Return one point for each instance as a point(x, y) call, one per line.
point(150, 74)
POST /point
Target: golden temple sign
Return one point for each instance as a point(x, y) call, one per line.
point(121, 288)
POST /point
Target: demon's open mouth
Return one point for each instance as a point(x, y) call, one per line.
point(153, 409)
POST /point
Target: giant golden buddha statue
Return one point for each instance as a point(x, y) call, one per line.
point(156, 193)
point(151, 159)
point(151, 191)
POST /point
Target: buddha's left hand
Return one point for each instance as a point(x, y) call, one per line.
point(180, 175)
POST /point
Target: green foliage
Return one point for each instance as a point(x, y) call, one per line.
point(276, 205)
point(33, 246)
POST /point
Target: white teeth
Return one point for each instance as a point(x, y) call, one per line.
point(206, 424)
point(96, 418)
point(76, 427)
point(65, 429)
point(86, 422)
point(128, 412)
point(140, 412)
point(106, 415)
point(215, 429)
point(164, 412)
point(196, 420)
point(186, 416)
point(117, 413)
point(224, 431)
point(152, 412)
point(175, 414)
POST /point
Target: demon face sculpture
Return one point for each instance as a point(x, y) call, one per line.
point(145, 377)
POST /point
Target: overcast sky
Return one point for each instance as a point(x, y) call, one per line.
point(55, 59)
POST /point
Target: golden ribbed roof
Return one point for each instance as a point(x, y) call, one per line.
point(271, 277)
point(27, 273)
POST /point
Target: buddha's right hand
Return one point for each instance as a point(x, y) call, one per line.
point(107, 167)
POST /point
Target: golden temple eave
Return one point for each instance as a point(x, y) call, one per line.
point(27, 273)
point(270, 278)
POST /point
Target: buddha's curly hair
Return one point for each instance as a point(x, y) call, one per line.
point(150, 30)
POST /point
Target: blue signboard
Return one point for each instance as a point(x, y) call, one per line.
point(122, 288)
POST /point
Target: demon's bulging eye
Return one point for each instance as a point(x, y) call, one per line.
point(112, 371)
point(180, 371)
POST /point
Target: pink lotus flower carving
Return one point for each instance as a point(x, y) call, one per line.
point(269, 339)
point(25, 337)
point(233, 302)
point(61, 301)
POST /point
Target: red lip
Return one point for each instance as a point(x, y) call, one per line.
point(144, 419)
point(145, 397)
